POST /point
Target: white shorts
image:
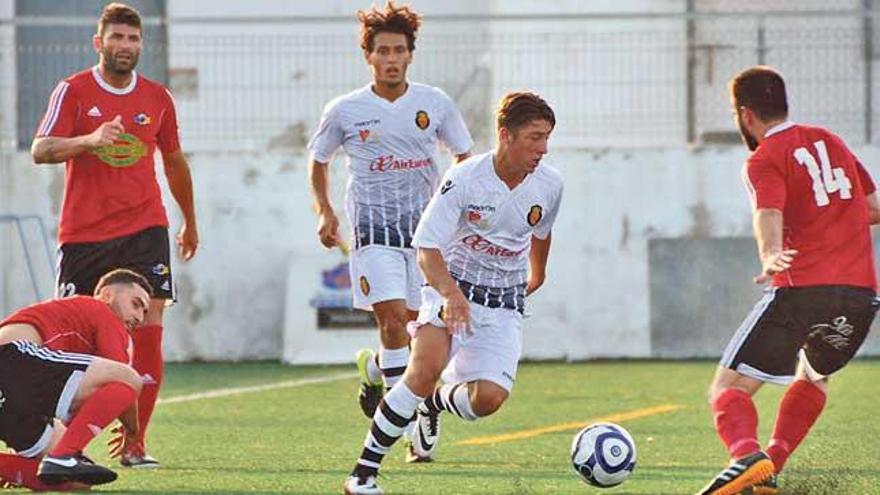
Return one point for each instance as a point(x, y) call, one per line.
point(380, 273)
point(489, 350)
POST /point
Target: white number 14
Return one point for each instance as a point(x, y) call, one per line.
point(826, 180)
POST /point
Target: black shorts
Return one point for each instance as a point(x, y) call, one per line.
point(829, 323)
point(36, 386)
point(81, 265)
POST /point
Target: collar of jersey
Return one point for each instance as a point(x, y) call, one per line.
point(499, 183)
point(776, 129)
point(385, 102)
point(110, 89)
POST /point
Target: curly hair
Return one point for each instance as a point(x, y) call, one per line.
point(391, 19)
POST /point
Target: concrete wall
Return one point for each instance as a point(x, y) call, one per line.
point(257, 230)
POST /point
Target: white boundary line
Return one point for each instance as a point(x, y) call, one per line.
point(226, 392)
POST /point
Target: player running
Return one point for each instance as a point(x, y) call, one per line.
point(389, 130)
point(813, 203)
point(483, 245)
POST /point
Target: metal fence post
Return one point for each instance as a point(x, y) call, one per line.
point(691, 69)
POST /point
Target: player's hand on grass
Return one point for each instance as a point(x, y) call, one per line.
point(106, 133)
point(456, 312)
point(775, 263)
point(121, 441)
point(328, 229)
point(188, 241)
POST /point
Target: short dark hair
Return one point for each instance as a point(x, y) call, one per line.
point(391, 19)
point(118, 13)
point(123, 276)
point(761, 90)
point(521, 107)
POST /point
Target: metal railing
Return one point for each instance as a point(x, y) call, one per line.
point(18, 222)
point(257, 84)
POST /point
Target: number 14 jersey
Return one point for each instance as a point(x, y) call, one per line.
point(810, 175)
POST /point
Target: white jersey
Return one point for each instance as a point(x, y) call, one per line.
point(484, 229)
point(392, 156)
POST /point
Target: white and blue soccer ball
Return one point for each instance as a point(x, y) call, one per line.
point(603, 454)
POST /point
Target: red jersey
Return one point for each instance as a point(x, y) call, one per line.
point(810, 175)
point(111, 191)
point(78, 324)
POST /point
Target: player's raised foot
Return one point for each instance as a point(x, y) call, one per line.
point(369, 392)
point(768, 487)
point(137, 458)
point(741, 474)
point(424, 437)
point(75, 468)
point(361, 485)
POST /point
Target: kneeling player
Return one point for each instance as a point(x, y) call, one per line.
point(482, 246)
point(68, 360)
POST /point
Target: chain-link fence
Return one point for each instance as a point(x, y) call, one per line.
point(632, 80)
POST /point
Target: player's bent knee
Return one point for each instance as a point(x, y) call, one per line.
point(107, 371)
point(488, 399)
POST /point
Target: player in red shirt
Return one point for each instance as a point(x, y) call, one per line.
point(66, 361)
point(813, 204)
point(106, 124)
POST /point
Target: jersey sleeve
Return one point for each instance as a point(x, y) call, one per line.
point(543, 229)
point(765, 182)
point(61, 114)
point(865, 179)
point(439, 223)
point(329, 136)
point(169, 136)
point(453, 132)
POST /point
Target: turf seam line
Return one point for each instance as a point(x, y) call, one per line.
point(226, 392)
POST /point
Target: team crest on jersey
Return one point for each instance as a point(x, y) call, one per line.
point(125, 152)
point(365, 286)
point(422, 120)
point(142, 119)
point(161, 270)
point(535, 215)
point(364, 134)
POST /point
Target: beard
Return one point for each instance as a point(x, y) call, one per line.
point(747, 138)
point(123, 67)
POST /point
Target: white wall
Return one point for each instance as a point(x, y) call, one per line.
point(256, 226)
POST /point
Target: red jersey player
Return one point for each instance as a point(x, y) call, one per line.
point(813, 204)
point(106, 123)
point(67, 361)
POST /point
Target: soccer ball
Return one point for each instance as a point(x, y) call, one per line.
point(603, 454)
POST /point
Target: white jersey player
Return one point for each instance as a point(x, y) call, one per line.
point(483, 244)
point(390, 130)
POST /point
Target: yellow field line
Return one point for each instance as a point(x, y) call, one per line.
point(611, 418)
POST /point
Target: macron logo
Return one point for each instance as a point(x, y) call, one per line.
point(148, 379)
point(94, 112)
